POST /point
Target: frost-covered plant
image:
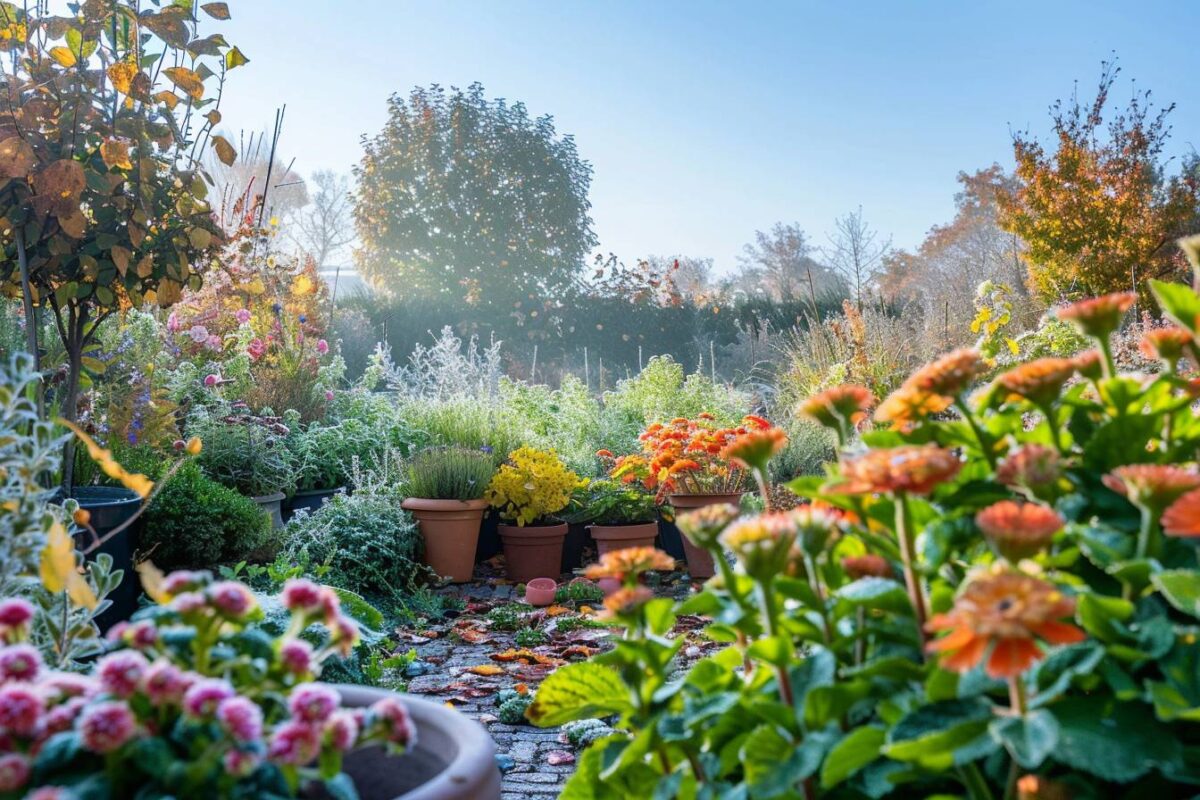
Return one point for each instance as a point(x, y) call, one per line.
point(243, 451)
point(446, 369)
point(566, 418)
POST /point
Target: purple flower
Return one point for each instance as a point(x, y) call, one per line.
point(203, 698)
point(14, 772)
point(104, 727)
point(301, 595)
point(391, 717)
point(277, 308)
point(20, 662)
point(241, 719)
point(173, 323)
point(303, 318)
point(242, 316)
point(198, 334)
point(214, 343)
point(62, 717)
point(328, 395)
point(322, 346)
point(163, 683)
point(294, 743)
point(182, 580)
point(296, 656)
point(212, 379)
point(240, 763)
point(15, 613)
point(232, 598)
point(341, 730)
point(20, 708)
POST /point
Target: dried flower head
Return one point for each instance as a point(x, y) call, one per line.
point(1018, 530)
point(914, 469)
point(1007, 612)
point(1038, 381)
point(1098, 317)
point(628, 563)
point(845, 405)
point(1152, 486)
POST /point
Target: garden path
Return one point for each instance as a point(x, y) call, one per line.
point(470, 660)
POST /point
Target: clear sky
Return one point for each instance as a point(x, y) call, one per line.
point(706, 120)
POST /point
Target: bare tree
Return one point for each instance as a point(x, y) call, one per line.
point(691, 276)
point(856, 253)
point(238, 186)
point(781, 264)
point(324, 227)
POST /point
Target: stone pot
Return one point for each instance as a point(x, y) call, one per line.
point(618, 537)
point(454, 758)
point(699, 561)
point(450, 529)
point(110, 507)
point(534, 551)
point(309, 501)
point(272, 504)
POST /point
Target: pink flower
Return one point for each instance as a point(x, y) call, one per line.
point(163, 683)
point(302, 595)
point(232, 598)
point(138, 635)
point(173, 323)
point(62, 717)
point(50, 793)
point(202, 699)
point(391, 717)
point(20, 709)
point(328, 396)
point(120, 672)
point(341, 730)
point(242, 316)
point(20, 662)
point(104, 727)
point(215, 343)
point(294, 743)
point(241, 719)
point(313, 703)
point(181, 580)
point(296, 656)
point(68, 684)
point(198, 334)
point(188, 602)
point(256, 349)
point(14, 772)
point(345, 635)
point(212, 379)
point(322, 346)
point(331, 606)
point(240, 763)
point(15, 613)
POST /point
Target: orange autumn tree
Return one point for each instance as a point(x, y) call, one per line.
point(1097, 210)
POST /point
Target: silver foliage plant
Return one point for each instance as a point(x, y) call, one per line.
point(445, 370)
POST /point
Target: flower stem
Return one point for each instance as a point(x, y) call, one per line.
point(1147, 542)
point(977, 788)
point(1016, 696)
point(814, 582)
point(907, 555)
point(1055, 437)
point(1107, 364)
point(985, 441)
point(771, 623)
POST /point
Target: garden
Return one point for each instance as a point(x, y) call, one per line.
point(512, 524)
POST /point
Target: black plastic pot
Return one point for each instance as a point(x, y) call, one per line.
point(309, 501)
point(577, 536)
point(110, 507)
point(489, 537)
point(670, 540)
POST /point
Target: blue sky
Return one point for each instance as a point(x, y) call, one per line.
point(706, 120)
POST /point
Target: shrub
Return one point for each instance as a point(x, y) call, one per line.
point(245, 452)
point(463, 421)
point(323, 455)
point(196, 522)
point(993, 605)
point(449, 473)
point(367, 543)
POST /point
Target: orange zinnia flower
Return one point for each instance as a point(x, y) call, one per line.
point(1152, 486)
point(755, 448)
point(1090, 364)
point(629, 563)
point(705, 524)
point(1098, 316)
point(1034, 468)
point(1006, 611)
point(762, 543)
point(1033, 787)
point(1038, 381)
point(867, 566)
point(949, 375)
point(626, 601)
point(907, 406)
point(845, 404)
point(915, 469)
point(1182, 518)
point(1018, 530)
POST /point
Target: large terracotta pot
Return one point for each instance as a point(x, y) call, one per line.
point(450, 529)
point(699, 561)
point(454, 758)
point(534, 551)
point(618, 537)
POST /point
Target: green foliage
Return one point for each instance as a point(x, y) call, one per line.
point(512, 710)
point(508, 617)
point(323, 455)
point(197, 522)
point(530, 637)
point(580, 591)
point(244, 452)
point(449, 473)
point(609, 502)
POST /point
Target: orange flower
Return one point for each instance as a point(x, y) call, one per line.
point(867, 566)
point(1034, 468)
point(626, 601)
point(1098, 316)
point(1166, 344)
point(629, 563)
point(949, 375)
point(1182, 518)
point(1152, 486)
point(755, 448)
point(1033, 787)
point(845, 404)
point(1006, 611)
point(705, 524)
point(907, 406)
point(1018, 530)
point(604, 454)
point(1038, 381)
point(762, 543)
point(915, 469)
point(1090, 364)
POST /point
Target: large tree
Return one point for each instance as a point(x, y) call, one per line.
point(323, 228)
point(1097, 209)
point(464, 197)
point(781, 264)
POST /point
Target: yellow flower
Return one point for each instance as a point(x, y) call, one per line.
point(531, 486)
point(194, 446)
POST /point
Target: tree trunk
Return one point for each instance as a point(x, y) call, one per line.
point(31, 319)
point(69, 410)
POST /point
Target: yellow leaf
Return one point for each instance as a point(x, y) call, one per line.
point(255, 286)
point(199, 237)
point(115, 154)
point(145, 267)
point(235, 58)
point(486, 670)
point(1013, 347)
point(122, 74)
point(152, 582)
point(57, 568)
point(63, 56)
point(225, 150)
point(170, 99)
point(302, 285)
point(186, 79)
point(135, 482)
point(194, 446)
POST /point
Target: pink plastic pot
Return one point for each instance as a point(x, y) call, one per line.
point(540, 591)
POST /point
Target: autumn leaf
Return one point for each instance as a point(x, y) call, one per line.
point(152, 582)
point(115, 153)
point(73, 224)
point(63, 56)
point(16, 157)
point(216, 10)
point(58, 571)
point(169, 99)
point(121, 74)
point(120, 257)
point(62, 179)
point(225, 150)
point(187, 80)
point(235, 58)
point(145, 267)
point(486, 670)
point(108, 465)
point(199, 238)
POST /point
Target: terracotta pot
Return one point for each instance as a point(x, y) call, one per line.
point(540, 591)
point(272, 504)
point(450, 529)
point(699, 561)
point(534, 551)
point(454, 758)
point(618, 537)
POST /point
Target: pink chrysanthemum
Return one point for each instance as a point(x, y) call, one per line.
point(301, 595)
point(240, 763)
point(20, 709)
point(341, 731)
point(203, 698)
point(62, 717)
point(68, 684)
point(232, 599)
point(20, 662)
point(14, 772)
point(241, 718)
point(105, 727)
point(120, 672)
point(294, 744)
point(181, 581)
point(344, 635)
point(296, 656)
point(312, 702)
point(188, 602)
point(392, 718)
point(15, 613)
point(163, 683)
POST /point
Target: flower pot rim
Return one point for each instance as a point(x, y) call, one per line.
point(542, 583)
point(99, 496)
point(439, 504)
point(315, 492)
point(269, 498)
point(706, 494)
point(594, 525)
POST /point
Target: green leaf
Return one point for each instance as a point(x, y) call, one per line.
point(578, 691)
point(881, 593)
point(1099, 614)
point(774, 764)
point(358, 608)
point(58, 751)
point(775, 650)
point(1028, 739)
point(1114, 741)
point(1055, 673)
point(341, 787)
point(1179, 302)
point(1181, 587)
point(941, 735)
point(857, 749)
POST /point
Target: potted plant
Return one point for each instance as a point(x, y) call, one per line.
point(227, 714)
point(528, 490)
point(247, 452)
point(324, 456)
point(445, 488)
point(684, 461)
point(617, 514)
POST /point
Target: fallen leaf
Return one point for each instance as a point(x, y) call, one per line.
point(554, 611)
point(556, 757)
point(485, 669)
